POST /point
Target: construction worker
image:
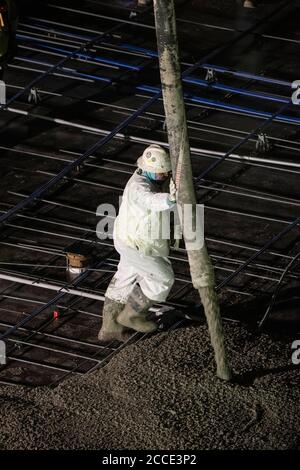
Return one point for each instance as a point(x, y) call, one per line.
point(8, 27)
point(144, 274)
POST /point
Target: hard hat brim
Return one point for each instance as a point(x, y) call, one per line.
point(145, 167)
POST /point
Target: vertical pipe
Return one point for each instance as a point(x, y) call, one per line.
point(202, 272)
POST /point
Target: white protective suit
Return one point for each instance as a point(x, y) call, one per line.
point(142, 238)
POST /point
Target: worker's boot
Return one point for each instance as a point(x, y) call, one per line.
point(110, 329)
point(135, 311)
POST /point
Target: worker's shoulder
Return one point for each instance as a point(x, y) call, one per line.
point(138, 181)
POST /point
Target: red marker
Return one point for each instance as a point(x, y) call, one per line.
point(56, 314)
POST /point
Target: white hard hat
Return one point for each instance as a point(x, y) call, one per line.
point(155, 159)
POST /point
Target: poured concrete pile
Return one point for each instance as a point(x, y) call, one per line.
point(162, 393)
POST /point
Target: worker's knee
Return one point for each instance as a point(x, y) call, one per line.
point(170, 279)
point(165, 275)
point(157, 286)
point(167, 285)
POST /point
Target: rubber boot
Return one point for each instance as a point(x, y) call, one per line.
point(110, 329)
point(134, 313)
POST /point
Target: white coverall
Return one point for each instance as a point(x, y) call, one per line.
point(139, 241)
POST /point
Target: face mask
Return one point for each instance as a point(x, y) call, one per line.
point(158, 178)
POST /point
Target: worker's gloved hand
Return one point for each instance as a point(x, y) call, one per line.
point(173, 191)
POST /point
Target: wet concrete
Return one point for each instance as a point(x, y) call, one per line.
point(162, 393)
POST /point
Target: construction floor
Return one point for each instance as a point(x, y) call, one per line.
point(78, 116)
point(161, 394)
